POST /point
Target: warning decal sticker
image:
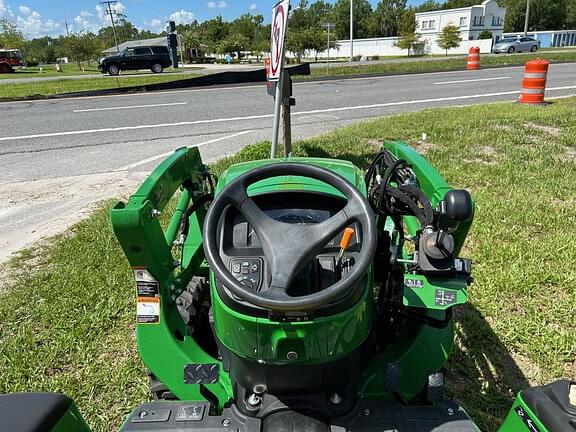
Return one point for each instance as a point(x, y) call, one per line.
point(148, 310)
point(147, 296)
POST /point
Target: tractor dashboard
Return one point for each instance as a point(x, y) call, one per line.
point(242, 253)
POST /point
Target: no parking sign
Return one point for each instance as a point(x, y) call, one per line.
point(279, 27)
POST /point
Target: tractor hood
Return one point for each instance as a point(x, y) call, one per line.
point(294, 183)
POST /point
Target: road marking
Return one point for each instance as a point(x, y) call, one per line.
point(163, 155)
point(130, 107)
point(265, 116)
point(471, 80)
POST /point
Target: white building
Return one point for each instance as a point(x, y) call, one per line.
point(471, 21)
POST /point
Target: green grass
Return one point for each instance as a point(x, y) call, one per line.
point(68, 317)
point(46, 88)
point(439, 65)
point(50, 71)
point(71, 69)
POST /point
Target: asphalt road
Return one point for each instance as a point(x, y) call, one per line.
point(58, 144)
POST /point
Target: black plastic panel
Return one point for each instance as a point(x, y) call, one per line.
point(369, 416)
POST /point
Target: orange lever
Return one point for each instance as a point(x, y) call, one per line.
point(347, 238)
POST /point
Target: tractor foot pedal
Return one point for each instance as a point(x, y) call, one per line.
point(435, 388)
point(393, 375)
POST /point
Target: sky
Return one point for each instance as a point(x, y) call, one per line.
point(37, 18)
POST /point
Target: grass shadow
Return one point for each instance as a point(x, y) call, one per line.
point(482, 374)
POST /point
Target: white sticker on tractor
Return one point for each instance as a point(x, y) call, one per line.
point(148, 310)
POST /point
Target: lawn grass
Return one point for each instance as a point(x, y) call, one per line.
point(439, 65)
point(71, 69)
point(68, 315)
point(46, 88)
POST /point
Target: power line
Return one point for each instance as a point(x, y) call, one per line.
point(109, 4)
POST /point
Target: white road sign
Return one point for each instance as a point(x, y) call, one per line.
point(279, 28)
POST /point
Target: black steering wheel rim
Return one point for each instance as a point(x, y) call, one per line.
point(269, 231)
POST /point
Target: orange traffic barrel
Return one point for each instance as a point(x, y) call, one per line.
point(474, 58)
point(534, 82)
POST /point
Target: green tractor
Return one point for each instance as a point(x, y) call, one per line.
point(298, 294)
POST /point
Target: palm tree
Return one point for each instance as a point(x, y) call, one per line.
point(192, 43)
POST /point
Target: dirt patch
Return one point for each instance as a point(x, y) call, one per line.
point(481, 161)
point(39, 209)
point(550, 130)
point(488, 151)
point(376, 144)
point(423, 147)
point(569, 155)
point(531, 372)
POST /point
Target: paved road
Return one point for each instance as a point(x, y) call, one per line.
point(75, 146)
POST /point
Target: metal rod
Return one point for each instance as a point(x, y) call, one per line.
point(277, 111)
point(287, 124)
point(351, 30)
point(328, 60)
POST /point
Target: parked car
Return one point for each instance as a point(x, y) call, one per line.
point(512, 45)
point(155, 58)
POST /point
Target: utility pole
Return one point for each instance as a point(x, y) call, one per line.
point(109, 4)
point(527, 18)
point(67, 31)
point(351, 30)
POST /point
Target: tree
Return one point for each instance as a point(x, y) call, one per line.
point(388, 14)
point(428, 5)
point(362, 18)
point(449, 37)
point(408, 41)
point(234, 43)
point(485, 34)
point(10, 36)
point(191, 42)
point(81, 47)
point(407, 22)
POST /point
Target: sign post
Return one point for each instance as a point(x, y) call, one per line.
point(279, 28)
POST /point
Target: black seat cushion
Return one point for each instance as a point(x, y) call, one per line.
point(32, 412)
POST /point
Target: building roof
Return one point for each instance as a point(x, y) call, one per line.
point(159, 41)
point(443, 11)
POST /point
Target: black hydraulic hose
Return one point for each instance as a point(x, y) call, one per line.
point(203, 200)
point(423, 200)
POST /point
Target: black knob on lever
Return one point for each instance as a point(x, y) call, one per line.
point(454, 209)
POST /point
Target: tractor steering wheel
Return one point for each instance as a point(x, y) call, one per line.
point(288, 247)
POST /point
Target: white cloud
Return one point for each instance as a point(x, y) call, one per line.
point(25, 10)
point(5, 11)
point(253, 7)
point(182, 17)
point(213, 5)
point(102, 11)
point(33, 25)
point(85, 22)
point(92, 22)
point(155, 25)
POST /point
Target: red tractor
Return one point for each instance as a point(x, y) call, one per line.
point(10, 59)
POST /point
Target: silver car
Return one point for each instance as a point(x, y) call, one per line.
point(521, 44)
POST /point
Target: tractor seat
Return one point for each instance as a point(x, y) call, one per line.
point(32, 412)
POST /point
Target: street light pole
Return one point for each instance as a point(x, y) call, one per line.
point(351, 30)
point(527, 18)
